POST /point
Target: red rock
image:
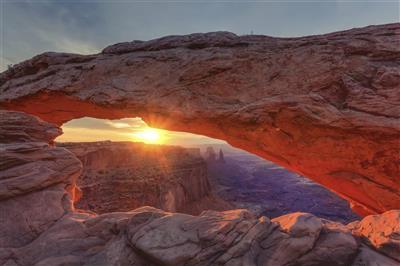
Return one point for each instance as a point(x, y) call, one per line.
point(381, 232)
point(326, 106)
point(18, 127)
point(37, 180)
point(42, 227)
point(122, 176)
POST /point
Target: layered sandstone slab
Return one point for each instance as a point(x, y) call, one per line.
point(326, 106)
point(122, 176)
point(40, 226)
point(148, 236)
point(37, 180)
point(381, 232)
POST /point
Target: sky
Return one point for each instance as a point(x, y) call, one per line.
point(128, 129)
point(31, 27)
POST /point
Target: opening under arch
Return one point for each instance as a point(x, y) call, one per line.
point(126, 166)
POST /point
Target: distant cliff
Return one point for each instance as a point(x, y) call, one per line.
point(121, 176)
point(211, 156)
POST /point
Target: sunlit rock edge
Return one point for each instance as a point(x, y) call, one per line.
point(325, 106)
point(41, 227)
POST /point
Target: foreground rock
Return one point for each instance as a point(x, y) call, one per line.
point(122, 176)
point(36, 179)
point(42, 228)
point(326, 107)
point(148, 236)
point(381, 232)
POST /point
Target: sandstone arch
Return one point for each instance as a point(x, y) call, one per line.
point(324, 106)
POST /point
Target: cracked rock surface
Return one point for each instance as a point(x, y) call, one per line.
point(39, 225)
point(36, 179)
point(325, 106)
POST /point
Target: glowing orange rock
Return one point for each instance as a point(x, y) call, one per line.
point(324, 106)
point(41, 226)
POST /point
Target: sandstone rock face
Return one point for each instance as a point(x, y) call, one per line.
point(122, 176)
point(36, 179)
point(326, 107)
point(382, 232)
point(40, 226)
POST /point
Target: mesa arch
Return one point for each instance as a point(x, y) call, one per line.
point(324, 106)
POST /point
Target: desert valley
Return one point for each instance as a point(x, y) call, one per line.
point(122, 176)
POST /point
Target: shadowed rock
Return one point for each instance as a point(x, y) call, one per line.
point(37, 180)
point(325, 106)
point(121, 176)
point(40, 227)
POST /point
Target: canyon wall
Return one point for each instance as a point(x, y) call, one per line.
point(326, 106)
point(264, 188)
point(40, 227)
point(122, 176)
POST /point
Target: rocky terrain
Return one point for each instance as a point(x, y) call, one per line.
point(41, 227)
point(122, 176)
point(325, 106)
point(250, 182)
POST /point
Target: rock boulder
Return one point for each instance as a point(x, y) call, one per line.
point(40, 227)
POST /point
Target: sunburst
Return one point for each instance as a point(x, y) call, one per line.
point(148, 135)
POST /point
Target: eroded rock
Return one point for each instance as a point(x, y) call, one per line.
point(335, 246)
point(36, 178)
point(122, 176)
point(326, 106)
point(382, 232)
point(17, 127)
point(369, 257)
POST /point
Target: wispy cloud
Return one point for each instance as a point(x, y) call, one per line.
point(64, 43)
point(130, 123)
point(91, 129)
point(126, 124)
point(33, 27)
point(30, 28)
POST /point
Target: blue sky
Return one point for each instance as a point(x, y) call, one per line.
point(32, 27)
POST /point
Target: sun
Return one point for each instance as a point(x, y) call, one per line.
point(148, 135)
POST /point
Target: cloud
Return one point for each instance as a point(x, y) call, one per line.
point(33, 27)
point(126, 124)
point(118, 124)
point(131, 123)
point(91, 129)
point(86, 134)
point(30, 28)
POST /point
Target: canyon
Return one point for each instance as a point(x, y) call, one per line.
point(122, 176)
point(326, 107)
point(41, 227)
point(250, 182)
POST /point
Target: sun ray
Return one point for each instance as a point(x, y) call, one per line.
point(148, 135)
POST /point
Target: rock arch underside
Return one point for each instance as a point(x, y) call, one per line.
point(325, 106)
